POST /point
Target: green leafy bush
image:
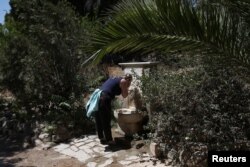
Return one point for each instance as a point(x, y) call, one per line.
point(194, 107)
point(44, 46)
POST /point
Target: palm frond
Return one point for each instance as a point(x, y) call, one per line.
point(170, 25)
point(145, 43)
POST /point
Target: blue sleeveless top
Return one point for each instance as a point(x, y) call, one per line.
point(112, 87)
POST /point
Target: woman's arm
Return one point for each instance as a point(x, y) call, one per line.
point(124, 84)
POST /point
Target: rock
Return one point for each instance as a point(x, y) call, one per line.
point(62, 133)
point(53, 138)
point(106, 163)
point(172, 154)
point(42, 126)
point(37, 131)
point(154, 149)
point(38, 142)
point(48, 145)
point(26, 145)
point(91, 164)
point(44, 137)
point(194, 154)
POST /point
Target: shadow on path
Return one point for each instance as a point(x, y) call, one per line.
point(121, 143)
point(8, 148)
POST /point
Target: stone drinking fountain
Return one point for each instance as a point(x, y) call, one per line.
point(129, 117)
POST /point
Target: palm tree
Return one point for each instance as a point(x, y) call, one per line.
point(170, 25)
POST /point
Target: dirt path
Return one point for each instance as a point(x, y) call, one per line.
point(12, 155)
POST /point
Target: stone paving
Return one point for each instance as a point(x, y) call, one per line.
point(91, 153)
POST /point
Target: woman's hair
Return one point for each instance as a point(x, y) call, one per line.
point(128, 76)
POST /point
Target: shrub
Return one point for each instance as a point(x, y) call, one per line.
point(194, 107)
point(44, 47)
